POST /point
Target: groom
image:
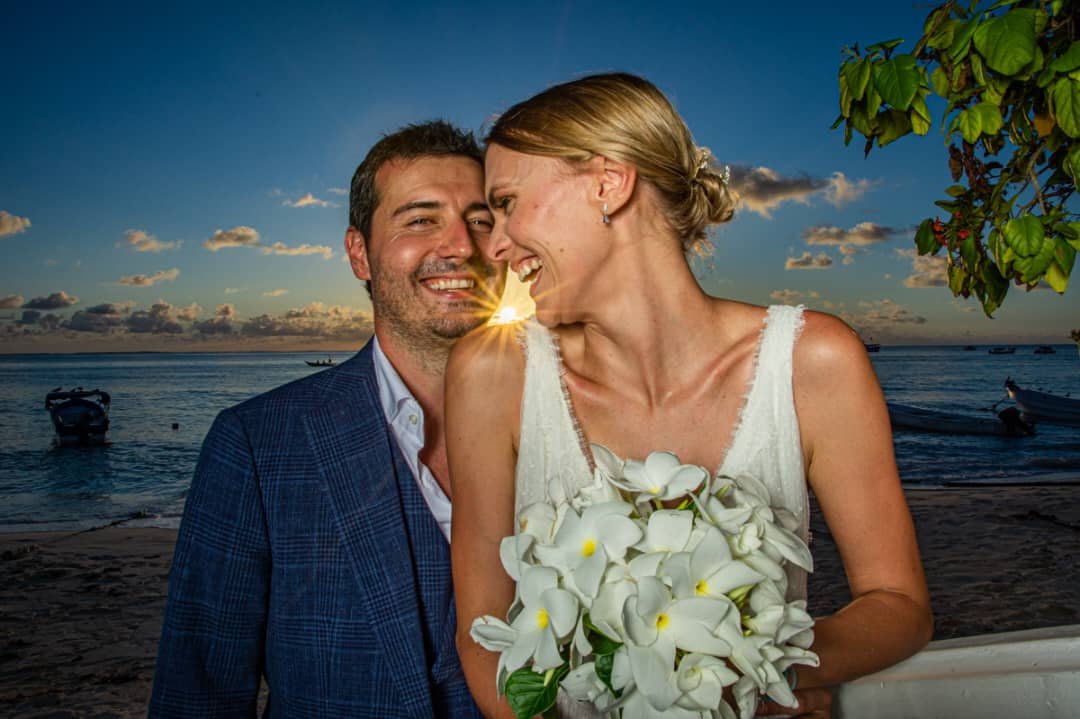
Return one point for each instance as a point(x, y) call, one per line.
point(314, 548)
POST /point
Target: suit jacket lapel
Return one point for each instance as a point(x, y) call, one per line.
point(356, 458)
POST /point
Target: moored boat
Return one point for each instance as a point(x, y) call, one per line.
point(1007, 423)
point(80, 417)
point(1043, 407)
point(1045, 350)
point(1002, 350)
point(328, 362)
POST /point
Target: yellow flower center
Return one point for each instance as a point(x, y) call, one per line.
point(541, 618)
point(654, 490)
point(662, 621)
point(524, 524)
point(588, 547)
point(702, 588)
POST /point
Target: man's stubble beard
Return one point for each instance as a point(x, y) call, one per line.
point(427, 331)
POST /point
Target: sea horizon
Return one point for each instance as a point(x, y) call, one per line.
point(163, 404)
point(357, 348)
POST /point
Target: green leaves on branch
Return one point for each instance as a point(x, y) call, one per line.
point(977, 119)
point(1008, 77)
point(531, 694)
point(897, 80)
point(1007, 42)
point(1065, 105)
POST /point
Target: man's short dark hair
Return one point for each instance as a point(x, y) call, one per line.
point(436, 138)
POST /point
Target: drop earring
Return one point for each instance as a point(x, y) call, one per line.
point(604, 216)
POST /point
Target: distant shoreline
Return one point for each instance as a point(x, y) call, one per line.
point(352, 349)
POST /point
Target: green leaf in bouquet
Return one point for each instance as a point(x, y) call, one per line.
point(530, 693)
point(601, 643)
point(604, 665)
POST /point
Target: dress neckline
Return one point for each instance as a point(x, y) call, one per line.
point(584, 446)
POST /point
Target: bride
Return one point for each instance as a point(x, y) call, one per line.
point(599, 194)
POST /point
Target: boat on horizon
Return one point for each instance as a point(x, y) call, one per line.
point(1043, 407)
point(1002, 350)
point(1045, 350)
point(328, 362)
point(80, 417)
point(872, 346)
point(969, 348)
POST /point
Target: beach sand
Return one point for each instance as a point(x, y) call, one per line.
point(80, 614)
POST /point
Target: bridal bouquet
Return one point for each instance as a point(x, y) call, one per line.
point(644, 610)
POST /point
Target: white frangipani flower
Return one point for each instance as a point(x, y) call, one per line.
point(608, 465)
point(701, 679)
point(661, 477)
point(548, 616)
point(585, 543)
point(667, 531)
point(653, 618)
point(710, 570)
point(538, 520)
point(583, 684)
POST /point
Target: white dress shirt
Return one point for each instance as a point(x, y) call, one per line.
point(406, 420)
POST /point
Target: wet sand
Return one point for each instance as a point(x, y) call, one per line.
point(80, 614)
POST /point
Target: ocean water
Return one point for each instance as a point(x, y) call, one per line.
point(144, 472)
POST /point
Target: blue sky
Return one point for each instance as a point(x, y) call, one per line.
point(132, 136)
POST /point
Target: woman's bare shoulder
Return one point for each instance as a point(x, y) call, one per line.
point(826, 340)
point(829, 357)
point(489, 355)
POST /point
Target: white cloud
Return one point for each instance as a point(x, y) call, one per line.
point(337, 190)
point(312, 320)
point(55, 301)
point(12, 224)
point(883, 313)
point(279, 248)
point(840, 191)
point(142, 241)
point(762, 189)
point(785, 297)
point(807, 261)
point(862, 234)
point(927, 270)
point(148, 280)
point(220, 324)
point(240, 236)
point(308, 200)
point(189, 313)
point(233, 290)
point(275, 293)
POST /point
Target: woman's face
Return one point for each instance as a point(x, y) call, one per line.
point(543, 227)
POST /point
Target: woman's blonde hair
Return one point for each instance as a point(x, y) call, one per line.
point(628, 119)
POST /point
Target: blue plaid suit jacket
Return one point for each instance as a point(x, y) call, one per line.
point(308, 557)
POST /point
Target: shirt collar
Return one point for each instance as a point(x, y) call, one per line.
point(394, 397)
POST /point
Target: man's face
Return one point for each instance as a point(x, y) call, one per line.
point(429, 282)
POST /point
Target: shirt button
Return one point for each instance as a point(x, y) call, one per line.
point(413, 419)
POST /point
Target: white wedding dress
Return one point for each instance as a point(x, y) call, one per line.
point(765, 443)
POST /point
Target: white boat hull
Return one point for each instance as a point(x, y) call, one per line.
point(1033, 674)
point(1045, 408)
